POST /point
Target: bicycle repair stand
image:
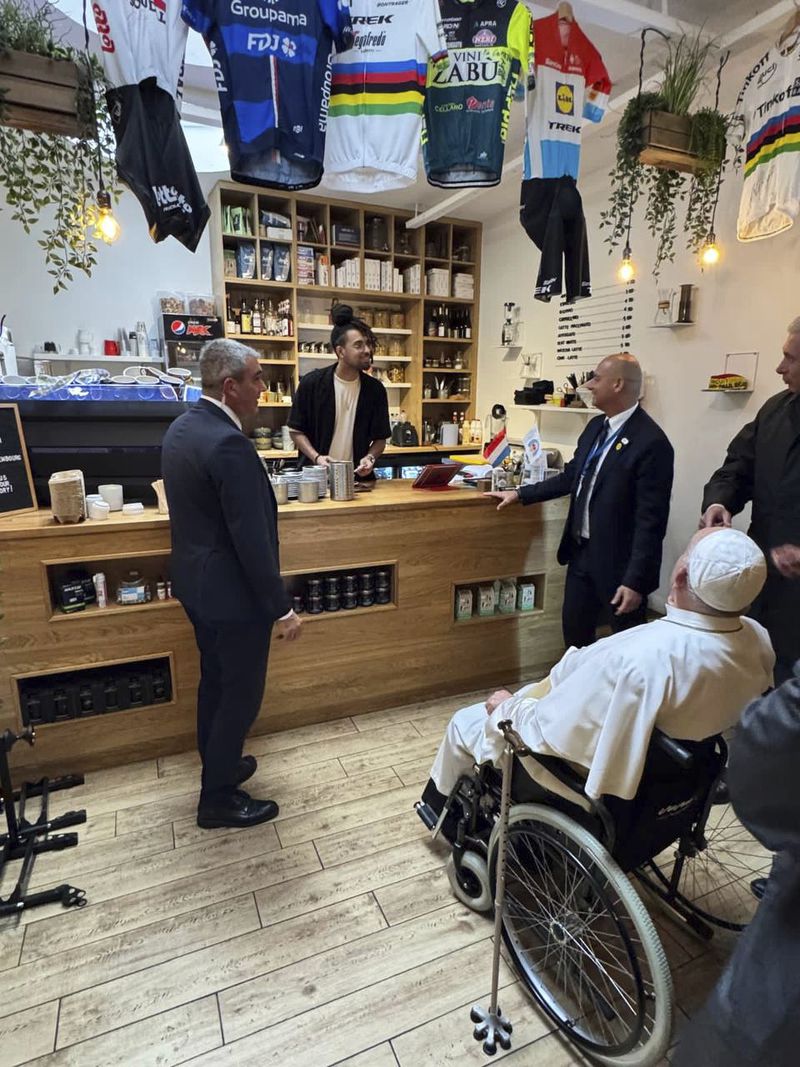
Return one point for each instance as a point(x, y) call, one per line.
point(25, 840)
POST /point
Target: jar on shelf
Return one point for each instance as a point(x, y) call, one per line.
point(397, 320)
point(381, 319)
point(396, 350)
point(366, 316)
point(380, 347)
point(396, 373)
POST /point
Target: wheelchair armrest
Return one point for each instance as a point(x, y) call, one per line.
point(672, 748)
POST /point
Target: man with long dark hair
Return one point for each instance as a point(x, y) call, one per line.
point(342, 412)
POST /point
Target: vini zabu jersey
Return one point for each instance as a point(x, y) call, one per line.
point(768, 120)
point(141, 41)
point(378, 92)
point(572, 85)
point(467, 107)
point(272, 66)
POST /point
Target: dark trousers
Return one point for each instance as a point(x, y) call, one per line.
point(233, 669)
point(586, 607)
point(551, 213)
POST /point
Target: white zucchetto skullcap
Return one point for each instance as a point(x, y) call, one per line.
point(727, 570)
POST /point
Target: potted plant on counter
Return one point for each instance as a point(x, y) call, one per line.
point(668, 155)
point(56, 140)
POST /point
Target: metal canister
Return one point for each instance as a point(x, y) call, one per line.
point(332, 602)
point(332, 585)
point(315, 605)
point(350, 583)
point(341, 473)
point(350, 600)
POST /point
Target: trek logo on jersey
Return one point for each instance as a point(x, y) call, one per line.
point(565, 99)
point(371, 20)
point(485, 38)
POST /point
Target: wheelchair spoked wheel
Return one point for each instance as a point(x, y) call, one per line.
point(712, 879)
point(582, 940)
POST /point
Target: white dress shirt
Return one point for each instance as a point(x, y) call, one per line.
point(615, 424)
point(238, 422)
point(224, 407)
point(690, 675)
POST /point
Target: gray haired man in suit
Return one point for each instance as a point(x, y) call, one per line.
point(226, 572)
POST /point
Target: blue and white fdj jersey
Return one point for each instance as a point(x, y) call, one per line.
point(272, 63)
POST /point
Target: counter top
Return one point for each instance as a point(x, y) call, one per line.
point(386, 494)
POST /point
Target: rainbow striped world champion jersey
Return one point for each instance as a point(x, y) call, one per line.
point(768, 121)
point(377, 95)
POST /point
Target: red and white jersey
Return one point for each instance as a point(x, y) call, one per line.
point(572, 85)
point(142, 39)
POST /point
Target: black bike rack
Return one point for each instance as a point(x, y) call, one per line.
point(25, 840)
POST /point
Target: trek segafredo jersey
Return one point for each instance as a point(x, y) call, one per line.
point(272, 65)
point(378, 92)
point(468, 102)
point(141, 41)
point(572, 85)
point(768, 120)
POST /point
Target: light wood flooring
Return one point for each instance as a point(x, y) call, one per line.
point(327, 937)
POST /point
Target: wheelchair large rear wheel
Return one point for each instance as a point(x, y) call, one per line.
point(713, 879)
point(582, 940)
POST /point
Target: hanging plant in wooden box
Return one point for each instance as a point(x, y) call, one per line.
point(659, 143)
point(56, 140)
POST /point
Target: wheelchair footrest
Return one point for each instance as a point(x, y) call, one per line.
point(426, 813)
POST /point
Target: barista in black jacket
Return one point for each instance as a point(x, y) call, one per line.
point(342, 412)
point(619, 483)
point(763, 466)
point(226, 572)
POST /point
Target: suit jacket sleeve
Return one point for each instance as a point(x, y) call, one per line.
point(732, 484)
point(238, 476)
point(653, 488)
point(764, 768)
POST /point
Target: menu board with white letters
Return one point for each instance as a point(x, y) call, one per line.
point(595, 327)
point(16, 484)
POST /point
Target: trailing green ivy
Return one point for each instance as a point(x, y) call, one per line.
point(53, 177)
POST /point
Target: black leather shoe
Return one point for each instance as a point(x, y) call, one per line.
point(758, 888)
point(246, 769)
point(235, 810)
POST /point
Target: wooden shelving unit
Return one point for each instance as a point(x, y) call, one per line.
point(453, 245)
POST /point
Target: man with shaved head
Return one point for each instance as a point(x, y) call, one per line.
point(619, 483)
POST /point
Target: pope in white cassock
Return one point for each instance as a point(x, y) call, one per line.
point(690, 674)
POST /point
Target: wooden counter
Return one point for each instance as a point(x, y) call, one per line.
point(346, 662)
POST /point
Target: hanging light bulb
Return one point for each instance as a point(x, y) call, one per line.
point(627, 270)
point(709, 253)
point(106, 226)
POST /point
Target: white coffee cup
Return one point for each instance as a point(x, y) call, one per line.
point(112, 494)
point(98, 509)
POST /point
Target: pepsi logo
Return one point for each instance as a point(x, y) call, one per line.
point(177, 328)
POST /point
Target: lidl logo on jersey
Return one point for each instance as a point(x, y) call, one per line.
point(485, 38)
point(565, 99)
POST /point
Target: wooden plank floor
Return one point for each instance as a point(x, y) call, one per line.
point(327, 937)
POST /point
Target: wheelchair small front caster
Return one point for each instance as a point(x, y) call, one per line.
point(492, 1028)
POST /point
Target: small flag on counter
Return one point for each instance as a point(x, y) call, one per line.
point(497, 449)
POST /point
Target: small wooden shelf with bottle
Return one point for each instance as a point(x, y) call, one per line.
point(380, 235)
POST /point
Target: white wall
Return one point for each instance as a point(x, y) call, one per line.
point(743, 304)
point(120, 290)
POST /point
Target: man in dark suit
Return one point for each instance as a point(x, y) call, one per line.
point(763, 466)
point(226, 572)
point(619, 482)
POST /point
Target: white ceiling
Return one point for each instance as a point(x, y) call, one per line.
point(613, 25)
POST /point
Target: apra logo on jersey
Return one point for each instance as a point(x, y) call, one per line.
point(485, 38)
point(565, 99)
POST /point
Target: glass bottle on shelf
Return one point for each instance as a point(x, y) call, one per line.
point(441, 323)
point(467, 325)
point(246, 321)
point(230, 321)
point(430, 329)
point(256, 320)
point(270, 323)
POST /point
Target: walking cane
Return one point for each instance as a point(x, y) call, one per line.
point(492, 1027)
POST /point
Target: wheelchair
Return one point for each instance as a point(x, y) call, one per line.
point(572, 923)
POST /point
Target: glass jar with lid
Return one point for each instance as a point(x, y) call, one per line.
point(395, 348)
point(397, 320)
point(381, 319)
point(366, 316)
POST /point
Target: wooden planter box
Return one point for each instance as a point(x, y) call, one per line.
point(667, 139)
point(39, 94)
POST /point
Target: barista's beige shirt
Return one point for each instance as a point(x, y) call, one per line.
point(346, 394)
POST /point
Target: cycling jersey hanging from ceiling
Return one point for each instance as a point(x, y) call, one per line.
point(142, 48)
point(272, 63)
point(378, 93)
point(468, 101)
point(571, 85)
point(767, 122)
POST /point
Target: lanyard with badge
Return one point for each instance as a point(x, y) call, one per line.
point(598, 450)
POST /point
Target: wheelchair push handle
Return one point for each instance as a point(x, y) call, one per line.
point(518, 746)
point(674, 749)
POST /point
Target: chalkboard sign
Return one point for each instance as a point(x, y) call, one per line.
point(16, 483)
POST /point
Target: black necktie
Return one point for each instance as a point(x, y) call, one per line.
point(582, 499)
